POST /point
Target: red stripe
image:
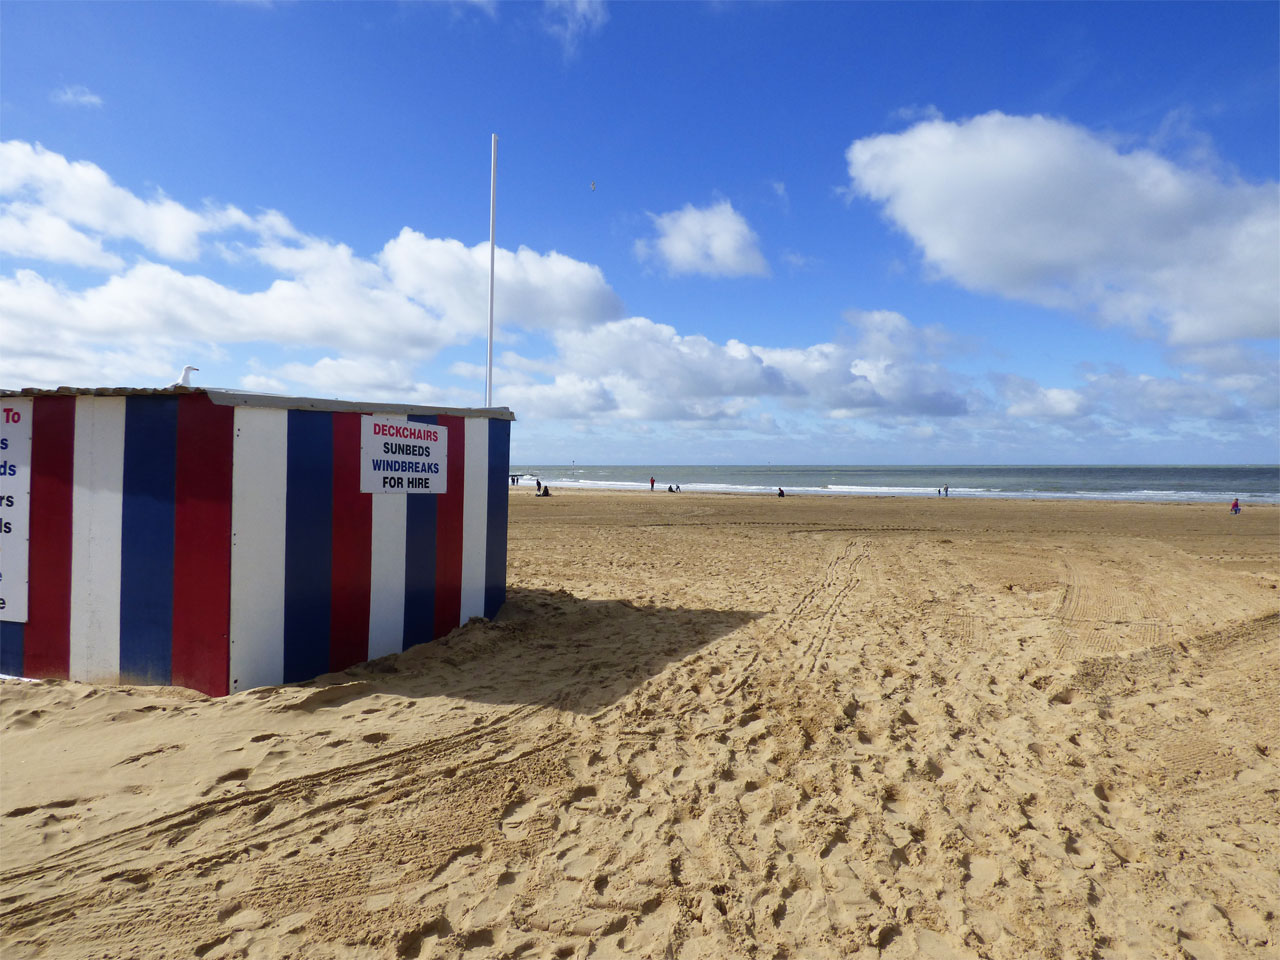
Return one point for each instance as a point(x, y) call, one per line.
point(449, 532)
point(47, 637)
point(202, 546)
point(352, 549)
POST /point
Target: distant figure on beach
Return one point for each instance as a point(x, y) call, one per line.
point(546, 491)
point(677, 488)
point(946, 490)
point(939, 491)
point(1235, 505)
point(670, 488)
point(781, 493)
point(651, 483)
point(539, 483)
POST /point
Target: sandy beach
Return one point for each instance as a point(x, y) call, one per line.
point(709, 726)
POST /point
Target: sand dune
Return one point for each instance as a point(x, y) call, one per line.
point(709, 727)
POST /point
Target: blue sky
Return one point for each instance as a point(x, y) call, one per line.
point(819, 233)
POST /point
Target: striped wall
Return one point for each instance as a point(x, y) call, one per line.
point(178, 541)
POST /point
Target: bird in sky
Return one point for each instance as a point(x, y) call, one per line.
point(593, 186)
point(185, 379)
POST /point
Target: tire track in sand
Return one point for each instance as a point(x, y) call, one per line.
point(822, 607)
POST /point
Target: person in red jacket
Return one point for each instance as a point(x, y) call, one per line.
point(651, 484)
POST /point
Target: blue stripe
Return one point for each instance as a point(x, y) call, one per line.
point(419, 562)
point(146, 539)
point(495, 553)
point(308, 544)
point(11, 648)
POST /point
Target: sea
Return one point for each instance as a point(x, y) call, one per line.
point(1171, 484)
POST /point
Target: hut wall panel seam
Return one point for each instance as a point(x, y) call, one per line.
point(423, 594)
point(447, 598)
point(47, 635)
point(388, 530)
point(352, 548)
point(147, 540)
point(202, 527)
point(474, 504)
point(495, 590)
point(96, 521)
point(308, 549)
point(258, 475)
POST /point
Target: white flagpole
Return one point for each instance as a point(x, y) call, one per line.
point(493, 200)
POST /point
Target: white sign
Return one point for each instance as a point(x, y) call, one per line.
point(15, 506)
point(399, 456)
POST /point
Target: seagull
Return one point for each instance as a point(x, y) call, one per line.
point(185, 379)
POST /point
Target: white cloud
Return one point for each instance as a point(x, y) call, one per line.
point(569, 21)
point(1026, 399)
point(1038, 209)
point(885, 372)
point(260, 383)
point(1158, 401)
point(337, 323)
point(636, 369)
point(417, 296)
point(535, 291)
point(76, 96)
point(370, 378)
point(715, 241)
point(32, 232)
point(567, 397)
point(83, 196)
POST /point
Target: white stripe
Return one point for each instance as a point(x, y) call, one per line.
point(475, 508)
point(97, 503)
point(386, 572)
point(258, 474)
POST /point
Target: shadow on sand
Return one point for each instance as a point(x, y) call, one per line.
point(544, 648)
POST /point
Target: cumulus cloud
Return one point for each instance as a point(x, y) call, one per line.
point(567, 397)
point(76, 96)
point(888, 370)
point(636, 369)
point(384, 379)
point(1027, 399)
point(416, 296)
point(32, 232)
point(1038, 209)
point(1158, 401)
point(715, 241)
point(538, 291)
point(331, 321)
point(85, 200)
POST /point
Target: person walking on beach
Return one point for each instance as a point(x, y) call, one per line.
point(539, 483)
point(651, 484)
point(946, 490)
point(1235, 505)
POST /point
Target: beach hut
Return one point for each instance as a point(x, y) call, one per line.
point(223, 540)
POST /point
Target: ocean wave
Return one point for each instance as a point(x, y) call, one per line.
point(1011, 483)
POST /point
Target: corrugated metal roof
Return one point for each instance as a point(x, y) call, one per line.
point(239, 398)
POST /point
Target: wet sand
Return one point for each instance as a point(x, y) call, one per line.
point(709, 726)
